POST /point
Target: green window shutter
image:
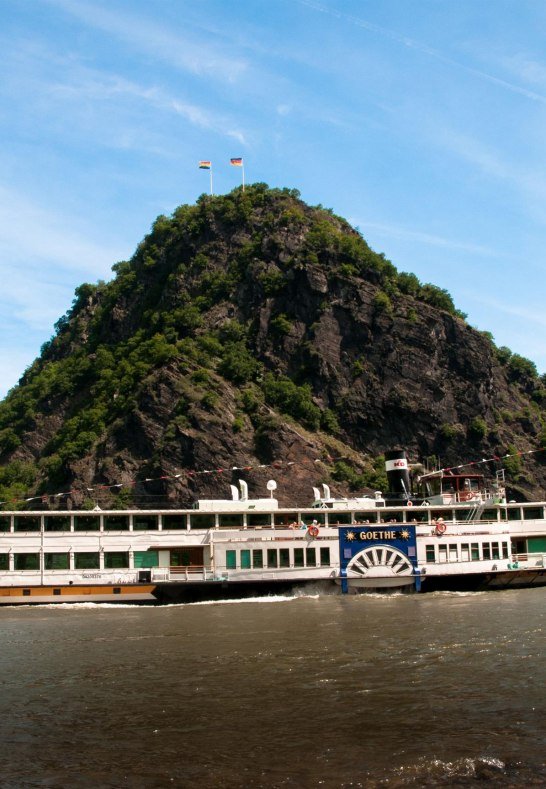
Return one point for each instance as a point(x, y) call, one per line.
point(146, 559)
point(245, 560)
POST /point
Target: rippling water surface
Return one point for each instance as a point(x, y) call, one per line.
point(329, 691)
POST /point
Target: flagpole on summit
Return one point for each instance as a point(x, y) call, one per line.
point(206, 165)
point(238, 162)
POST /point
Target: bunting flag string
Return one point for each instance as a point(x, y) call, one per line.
point(494, 459)
point(277, 464)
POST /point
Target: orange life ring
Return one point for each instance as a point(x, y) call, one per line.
point(409, 503)
point(466, 495)
point(313, 531)
point(441, 528)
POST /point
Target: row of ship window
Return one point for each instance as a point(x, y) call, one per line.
point(273, 558)
point(122, 560)
point(209, 520)
point(88, 560)
point(467, 552)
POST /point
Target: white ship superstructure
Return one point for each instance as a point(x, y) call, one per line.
point(237, 546)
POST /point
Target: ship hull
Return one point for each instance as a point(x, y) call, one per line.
point(481, 582)
point(170, 593)
point(76, 593)
point(195, 592)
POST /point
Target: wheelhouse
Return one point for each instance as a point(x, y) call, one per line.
point(451, 487)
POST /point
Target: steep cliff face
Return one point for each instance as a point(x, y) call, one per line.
point(252, 329)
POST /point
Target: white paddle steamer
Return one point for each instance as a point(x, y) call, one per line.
point(453, 533)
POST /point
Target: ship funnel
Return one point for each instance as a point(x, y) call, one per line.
point(234, 493)
point(316, 494)
point(396, 466)
point(326, 489)
point(244, 490)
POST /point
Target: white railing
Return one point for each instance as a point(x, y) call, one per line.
point(528, 560)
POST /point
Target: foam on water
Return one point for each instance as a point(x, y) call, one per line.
point(263, 599)
point(458, 594)
point(68, 606)
point(439, 772)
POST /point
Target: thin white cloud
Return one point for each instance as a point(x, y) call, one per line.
point(531, 71)
point(531, 183)
point(13, 363)
point(30, 232)
point(42, 260)
point(283, 109)
point(36, 306)
point(406, 234)
point(146, 36)
point(92, 84)
point(483, 156)
point(43, 257)
point(426, 50)
point(523, 335)
point(526, 313)
point(49, 82)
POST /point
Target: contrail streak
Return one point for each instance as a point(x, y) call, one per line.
point(418, 46)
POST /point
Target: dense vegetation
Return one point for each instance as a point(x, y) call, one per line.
point(193, 301)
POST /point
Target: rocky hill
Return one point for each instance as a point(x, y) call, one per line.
point(252, 329)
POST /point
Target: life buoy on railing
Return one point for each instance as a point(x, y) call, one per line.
point(466, 495)
point(409, 503)
point(313, 531)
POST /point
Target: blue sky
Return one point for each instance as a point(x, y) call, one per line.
point(421, 121)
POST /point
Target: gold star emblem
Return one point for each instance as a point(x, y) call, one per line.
point(404, 534)
point(351, 536)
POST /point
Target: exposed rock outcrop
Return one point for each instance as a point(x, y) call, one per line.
point(249, 329)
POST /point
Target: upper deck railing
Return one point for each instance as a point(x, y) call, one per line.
point(117, 521)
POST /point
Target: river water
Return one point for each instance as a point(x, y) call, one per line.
point(311, 691)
